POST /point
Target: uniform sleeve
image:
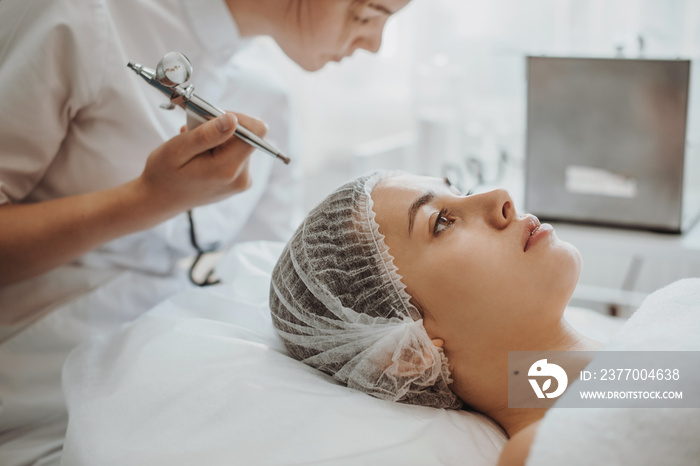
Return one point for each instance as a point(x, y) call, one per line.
point(280, 209)
point(49, 66)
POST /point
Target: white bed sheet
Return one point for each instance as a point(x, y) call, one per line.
point(668, 320)
point(204, 379)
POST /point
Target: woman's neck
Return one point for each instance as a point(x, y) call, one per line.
point(484, 381)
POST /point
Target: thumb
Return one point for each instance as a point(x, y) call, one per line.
point(208, 135)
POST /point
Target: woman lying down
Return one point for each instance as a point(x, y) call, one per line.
point(403, 288)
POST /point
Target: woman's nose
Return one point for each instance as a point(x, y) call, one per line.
point(371, 40)
point(374, 43)
point(498, 208)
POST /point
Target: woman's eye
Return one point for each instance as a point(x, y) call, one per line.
point(361, 20)
point(442, 222)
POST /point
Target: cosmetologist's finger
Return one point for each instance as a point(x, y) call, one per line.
point(206, 136)
point(257, 126)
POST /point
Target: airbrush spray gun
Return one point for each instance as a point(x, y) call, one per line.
point(171, 73)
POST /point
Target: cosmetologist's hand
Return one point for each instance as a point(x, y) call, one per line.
point(194, 168)
point(201, 166)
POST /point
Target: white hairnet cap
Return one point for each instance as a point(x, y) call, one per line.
point(340, 306)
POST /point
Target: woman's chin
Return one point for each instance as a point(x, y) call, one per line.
point(310, 65)
point(577, 258)
point(572, 256)
point(567, 271)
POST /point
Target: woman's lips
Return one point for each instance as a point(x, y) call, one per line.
point(537, 234)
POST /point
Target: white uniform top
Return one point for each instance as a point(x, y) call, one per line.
point(75, 119)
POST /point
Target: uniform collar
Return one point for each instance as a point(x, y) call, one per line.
point(215, 27)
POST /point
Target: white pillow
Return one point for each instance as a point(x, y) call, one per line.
point(204, 379)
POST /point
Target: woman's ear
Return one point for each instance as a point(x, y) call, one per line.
point(439, 342)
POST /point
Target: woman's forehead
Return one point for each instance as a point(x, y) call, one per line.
point(393, 197)
point(409, 184)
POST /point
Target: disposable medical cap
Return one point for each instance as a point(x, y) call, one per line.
point(340, 306)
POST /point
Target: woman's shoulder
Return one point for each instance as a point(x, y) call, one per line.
point(515, 451)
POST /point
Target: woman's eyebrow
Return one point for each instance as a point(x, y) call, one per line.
point(380, 8)
point(417, 204)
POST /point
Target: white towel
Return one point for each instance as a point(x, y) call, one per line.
point(668, 320)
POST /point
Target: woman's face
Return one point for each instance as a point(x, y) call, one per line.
point(480, 271)
point(319, 31)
